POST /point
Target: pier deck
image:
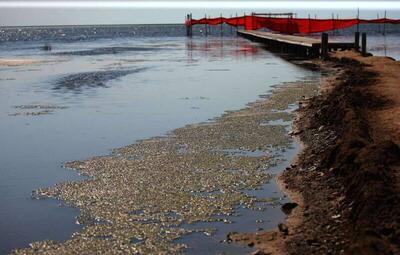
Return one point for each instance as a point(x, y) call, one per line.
point(299, 45)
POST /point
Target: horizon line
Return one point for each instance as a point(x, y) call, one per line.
point(167, 4)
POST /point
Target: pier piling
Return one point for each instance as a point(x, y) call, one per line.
point(357, 41)
point(324, 46)
point(364, 44)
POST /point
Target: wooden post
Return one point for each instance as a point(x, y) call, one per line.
point(324, 46)
point(364, 44)
point(205, 25)
point(357, 41)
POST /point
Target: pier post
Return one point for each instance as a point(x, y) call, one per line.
point(324, 45)
point(222, 33)
point(205, 25)
point(187, 24)
point(384, 25)
point(357, 41)
point(364, 44)
point(191, 27)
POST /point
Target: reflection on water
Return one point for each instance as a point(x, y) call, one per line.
point(215, 48)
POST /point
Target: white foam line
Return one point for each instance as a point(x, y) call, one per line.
point(349, 5)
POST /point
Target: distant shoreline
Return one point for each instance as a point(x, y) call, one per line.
point(92, 25)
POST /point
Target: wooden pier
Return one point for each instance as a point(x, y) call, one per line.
point(301, 46)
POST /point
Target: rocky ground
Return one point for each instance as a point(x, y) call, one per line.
point(345, 182)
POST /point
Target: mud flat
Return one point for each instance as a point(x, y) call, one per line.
point(346, 179)
point(140, 198)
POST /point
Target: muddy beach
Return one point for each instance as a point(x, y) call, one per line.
point(346, 179)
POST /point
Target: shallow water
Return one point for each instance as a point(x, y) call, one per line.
point(103, 92)
point(93, 107)
point(245, 219)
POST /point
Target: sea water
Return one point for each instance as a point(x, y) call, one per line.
point(102, 87)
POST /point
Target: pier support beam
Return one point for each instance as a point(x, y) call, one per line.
point(189, 28)
point(324, 46)
point(364, 44)
point(357, 41)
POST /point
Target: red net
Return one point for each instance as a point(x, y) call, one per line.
point(288, 25)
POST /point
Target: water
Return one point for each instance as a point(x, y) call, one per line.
point(102, 87)
point(89, 96)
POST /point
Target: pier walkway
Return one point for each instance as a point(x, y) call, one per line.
point(298, 45)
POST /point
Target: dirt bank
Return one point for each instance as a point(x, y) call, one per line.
point(346, 180)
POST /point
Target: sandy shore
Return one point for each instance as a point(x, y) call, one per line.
point(346, 179)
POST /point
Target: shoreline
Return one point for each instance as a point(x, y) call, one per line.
point(345, 180)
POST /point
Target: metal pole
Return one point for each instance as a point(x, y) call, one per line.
point(337, 18)
point(379, 25)
point(236, 22)
point(244, 17)
point(358, 20)
point(309, 24)
point(231, 26)
point(221, 25)
point(384, 25)
point(191, 27)
point(206, 24)
point(209, 27)
point(187, 24)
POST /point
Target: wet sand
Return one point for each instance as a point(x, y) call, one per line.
point(139, 199)
point(346, 179)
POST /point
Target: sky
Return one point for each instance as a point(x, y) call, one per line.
point(73, 12)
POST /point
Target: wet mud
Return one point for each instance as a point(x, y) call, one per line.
point(346, 179)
